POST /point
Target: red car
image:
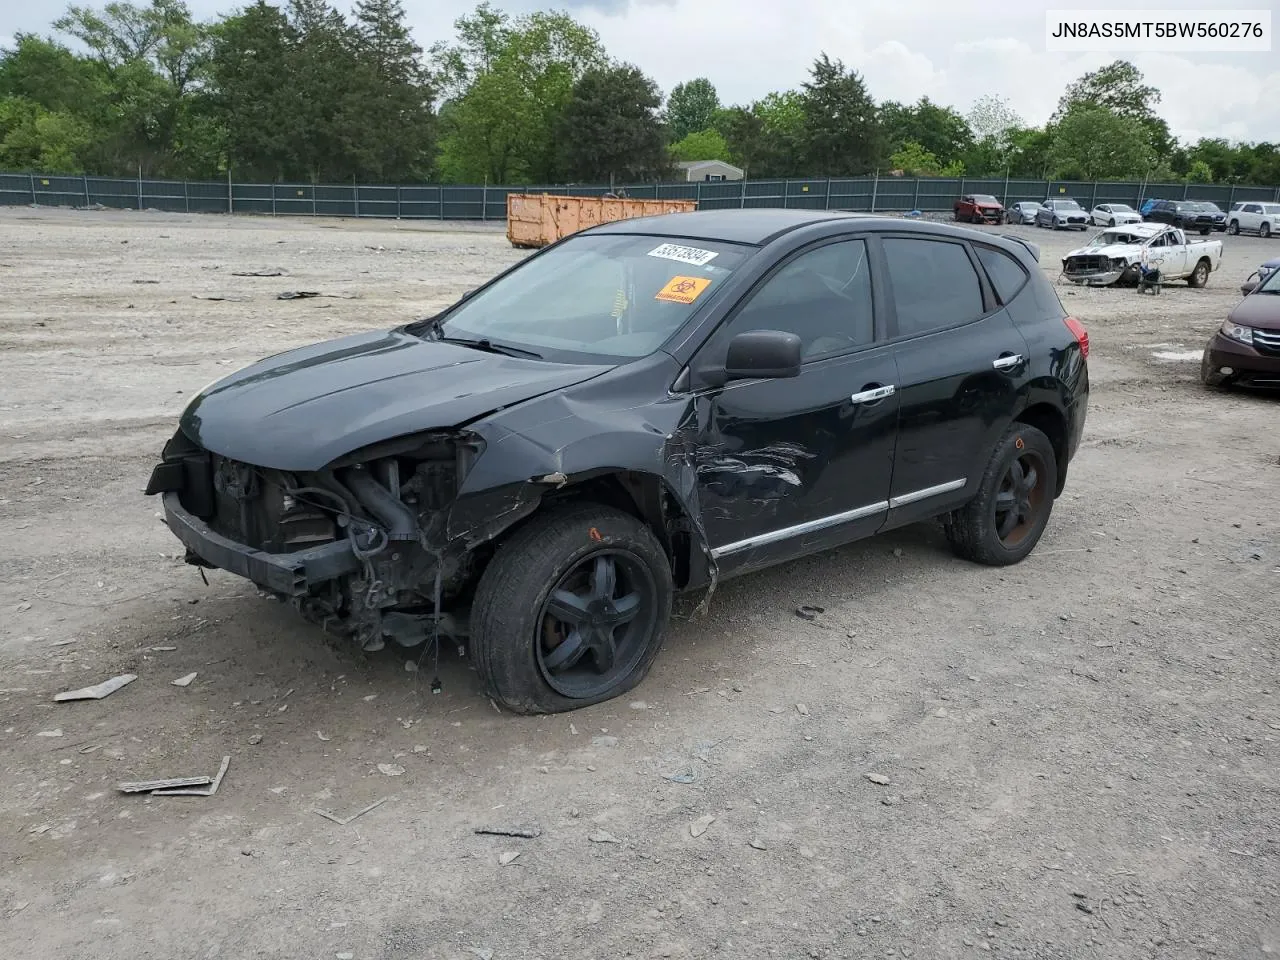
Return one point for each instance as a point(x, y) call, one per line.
point(979, 208)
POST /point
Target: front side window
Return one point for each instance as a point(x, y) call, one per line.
point(934, 284)
point(598, 296)
point(823, 296)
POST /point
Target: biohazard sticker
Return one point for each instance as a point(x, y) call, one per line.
point(692, 255)
point(683, 289)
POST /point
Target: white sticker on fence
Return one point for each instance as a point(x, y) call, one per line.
point(693, 255)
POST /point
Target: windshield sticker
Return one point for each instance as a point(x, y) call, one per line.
point(683, 289)
point(693, 255)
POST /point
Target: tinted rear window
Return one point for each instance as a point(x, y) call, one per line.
point(934, 284)
point(1005, 273)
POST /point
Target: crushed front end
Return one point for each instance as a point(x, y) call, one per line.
point(1097, 270)
point(360, 547)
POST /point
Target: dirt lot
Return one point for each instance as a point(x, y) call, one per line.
point(1081, 752)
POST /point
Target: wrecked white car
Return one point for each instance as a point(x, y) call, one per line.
point(1117, 255)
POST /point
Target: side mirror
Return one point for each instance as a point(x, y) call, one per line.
point(1249, 286)
point(772, 354)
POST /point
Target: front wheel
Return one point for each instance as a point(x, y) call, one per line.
point(1233, 228)
point(1111, 222)
point(1004, 521)
point(571, 610)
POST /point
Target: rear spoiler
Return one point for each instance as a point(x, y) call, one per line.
point(1033, 248)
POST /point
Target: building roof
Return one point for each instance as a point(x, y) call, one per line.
point(694, 164)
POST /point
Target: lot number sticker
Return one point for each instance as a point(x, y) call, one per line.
point(693, 255)
point(683, 289)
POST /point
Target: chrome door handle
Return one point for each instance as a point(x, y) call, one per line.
point(1007, 363)
point(876, 393)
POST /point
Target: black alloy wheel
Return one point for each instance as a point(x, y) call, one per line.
point(592, 629)
point(1021, 496)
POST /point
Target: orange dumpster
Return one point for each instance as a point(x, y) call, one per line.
point(536, 220)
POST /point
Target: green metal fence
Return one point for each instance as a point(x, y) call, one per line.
point(473, 202)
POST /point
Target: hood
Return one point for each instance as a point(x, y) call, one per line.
point(302, 409)
point(1115, 250)
point(1261, 310)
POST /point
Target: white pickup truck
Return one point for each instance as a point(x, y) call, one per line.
point(1117, 254)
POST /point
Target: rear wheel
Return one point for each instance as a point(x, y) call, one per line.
point(1200, 275)
point(1111, 222)
point(1004, 522)
point(571, 611)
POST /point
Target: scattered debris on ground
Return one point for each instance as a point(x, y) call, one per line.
point(527, 832)
point(98, 691)
point(343, 821)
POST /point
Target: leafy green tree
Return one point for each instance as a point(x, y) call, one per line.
point(610, 128)
point(1199, 172)
point(506, 84)
point(941, 131)
point(841, 128)
point(691, 107)
point(702, 145)
point(1120, 88)
point(1097, 143)
point(37, 139)
point(915, 161)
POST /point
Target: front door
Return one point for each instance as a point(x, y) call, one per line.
point(961, 363)
point(789, 466)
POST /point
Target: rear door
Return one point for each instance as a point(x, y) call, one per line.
point(961, 365)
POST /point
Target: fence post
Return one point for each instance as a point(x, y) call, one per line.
point(484, 200)
point(231, 203)
point(440, 202)
point(273, 198)
point(1231, 198)
point(962, 186)
point(1093, 197)
point(186, 196)
point(86, 191)
point(1005, 198)
point(915, 196)
point(742, 192)
point(355, 193)
point(397, 201)
point(32, 178)
point(697, 194)
point(1185, 188)
point(875, 188)
point(313, 198)
point(139, 186)
point(826, 201)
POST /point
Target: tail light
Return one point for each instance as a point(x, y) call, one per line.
point(1080, 333)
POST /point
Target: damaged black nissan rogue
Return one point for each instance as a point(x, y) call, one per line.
point(640, 410)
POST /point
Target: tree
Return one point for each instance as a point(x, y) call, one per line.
point(991, 116)
point(506, 84)
point(1199, 172)
point(1120, 88)
point(915, 161)
point(703, 145)
point(941, 131)
point(610, 129)
point(1097, 143)
point(841, 129)
point(691, 107)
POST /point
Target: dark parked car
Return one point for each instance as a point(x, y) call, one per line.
point(1217, 213)
point(978, 208)
point(646, 407)
point(1024, 211)
point(1184, 214)
point(1245, 350)
point(1062, 214)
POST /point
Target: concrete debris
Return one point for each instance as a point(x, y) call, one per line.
point(508, 857)
point(808, 612)
point(699, 826)
point(524, 831)
point(686, 776)
point(756, 845)
point(183, 681)
point(343, 821)
point(390, 769)
point(878, 779)
point(266, 272)
point(50, 733)
point(802, 709)
point(255, 739)
point(604, 741)
point(603, 837)
point(97, 691)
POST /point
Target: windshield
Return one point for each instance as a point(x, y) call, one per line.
point(1109, 237)
point(984, 198)
point(616, 296)
point(1065, 205)
point(1208, 207)
point(1121, 208)
point(1270, 284)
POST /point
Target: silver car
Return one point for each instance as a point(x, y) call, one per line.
point(1022, 212)
point(1060, 213)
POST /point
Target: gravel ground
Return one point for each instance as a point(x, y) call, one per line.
point(1072, 758)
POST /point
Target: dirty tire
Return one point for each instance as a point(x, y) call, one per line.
point(510, 625)
point(1264, 231)
point(973, 530)
point(1209, 376)
point(1200, 275)
point(1233, 227)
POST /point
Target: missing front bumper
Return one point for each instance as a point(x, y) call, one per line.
point(292, 574)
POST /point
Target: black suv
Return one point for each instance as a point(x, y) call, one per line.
point(645, 408)
point(1185, 214)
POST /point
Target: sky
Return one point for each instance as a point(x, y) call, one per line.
point(952, 51)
